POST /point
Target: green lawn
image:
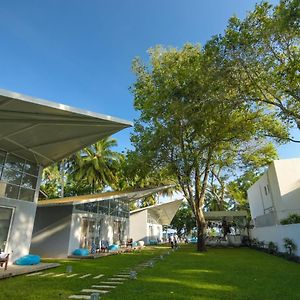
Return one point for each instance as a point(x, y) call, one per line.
point(239, 273)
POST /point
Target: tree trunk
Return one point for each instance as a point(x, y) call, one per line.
point(201, 234)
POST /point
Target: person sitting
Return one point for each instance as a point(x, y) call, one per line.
point(104, 246)
point(129, 242)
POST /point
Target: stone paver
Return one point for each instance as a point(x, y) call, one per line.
point(86, 275)
point(79, 297)
point(94, 291)
point(104, 286)
point(99, 276)
point(47, 274)
point(34, 274)
point(73, 275)
point(59, 275)
point(111, 282)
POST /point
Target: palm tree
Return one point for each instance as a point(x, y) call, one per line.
point(97, 165)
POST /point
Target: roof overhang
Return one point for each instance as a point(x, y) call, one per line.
point(164, 211)
point(228, 214)
point(44, 132)
point(124, 195)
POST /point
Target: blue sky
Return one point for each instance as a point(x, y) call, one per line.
point(80, 52)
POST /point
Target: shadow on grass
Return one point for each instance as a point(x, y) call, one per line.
point(217, 274)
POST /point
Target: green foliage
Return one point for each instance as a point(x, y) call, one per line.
point(88, 171)
point(291, 219)
point(184, 219)
point(192, 125)
point(272, 248)
point(262, 57)
point(289, 245)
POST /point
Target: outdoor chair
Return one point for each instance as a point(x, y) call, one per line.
point(104, 246)
point(4, 260)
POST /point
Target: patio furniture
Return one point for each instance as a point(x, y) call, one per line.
point(81, 252)
point(4, 260)
point(28, 260)
point(104, 246)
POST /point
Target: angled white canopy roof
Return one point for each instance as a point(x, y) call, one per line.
point(125, 195)
point(164, 212)
point(44, 132)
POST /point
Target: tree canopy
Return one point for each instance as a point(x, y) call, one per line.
point(191, 121)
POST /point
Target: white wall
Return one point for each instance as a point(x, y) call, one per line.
point(19, 238)
point(283, 181)
point(288, 176)
point(138, 226)
point(277, 233)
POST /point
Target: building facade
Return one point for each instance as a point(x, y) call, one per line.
point(273, 198)
point(65, 224)
point(146, 224)
point(35, 133)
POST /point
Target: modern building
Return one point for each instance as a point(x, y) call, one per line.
point(146, 224)
point(273, 198)
point(65, 224)
point(34, 133)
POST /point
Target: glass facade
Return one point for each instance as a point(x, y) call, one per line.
point(113, 207)
point(101, 214)
point(18, 177)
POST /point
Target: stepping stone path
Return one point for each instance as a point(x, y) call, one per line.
point(113, 282)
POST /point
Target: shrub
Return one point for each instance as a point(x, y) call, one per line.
point(291, 219)
point(272, 248)
point(290, 246)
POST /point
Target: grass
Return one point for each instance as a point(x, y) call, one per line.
point(239, 273)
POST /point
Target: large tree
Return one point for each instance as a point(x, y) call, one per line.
point(261, 56)
point(188, 119)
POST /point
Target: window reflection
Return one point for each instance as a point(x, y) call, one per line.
point(19, 177)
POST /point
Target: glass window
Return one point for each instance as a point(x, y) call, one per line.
point(5, 217)
point(31, 168)
point(11, 176)
point(11, 191)
point(2, 157)
point(29, 181)
point(14, 162)
point(26, 194)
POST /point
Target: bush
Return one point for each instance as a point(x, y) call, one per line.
point(290, 246)
point(272, 248)
point(291, 219)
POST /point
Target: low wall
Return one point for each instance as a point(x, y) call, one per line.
point(277, 233)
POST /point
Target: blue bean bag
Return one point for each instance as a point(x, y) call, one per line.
point(113, 247)
point(134, 244)
point(81, 252)
point(153, 242)
point(28, 260)
point(194, 240)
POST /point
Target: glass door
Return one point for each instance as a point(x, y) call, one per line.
point(5, 222)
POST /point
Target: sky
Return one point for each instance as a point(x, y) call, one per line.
point(80, 52)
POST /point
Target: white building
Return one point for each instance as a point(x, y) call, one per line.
point(34, 133)
point(274, 197)
point(146, 223)
point(65, 224)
